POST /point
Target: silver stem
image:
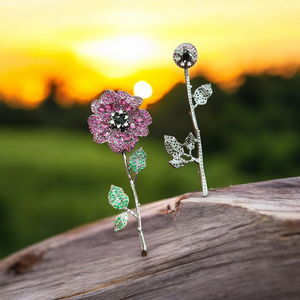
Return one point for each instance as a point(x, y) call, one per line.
point(137, 204)
point(132, 212)
point(197, 132)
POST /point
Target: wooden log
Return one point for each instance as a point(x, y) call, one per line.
point(240, 242)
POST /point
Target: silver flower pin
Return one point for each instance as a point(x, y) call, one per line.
point(185, 56)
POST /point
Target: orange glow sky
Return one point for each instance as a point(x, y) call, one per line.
point(91, 45)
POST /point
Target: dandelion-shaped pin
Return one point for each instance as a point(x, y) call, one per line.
point(118, 120)
point(185, 56)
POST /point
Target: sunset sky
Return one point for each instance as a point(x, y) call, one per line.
point(88, 46)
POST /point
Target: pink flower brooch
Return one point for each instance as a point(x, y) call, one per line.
point(118, 120)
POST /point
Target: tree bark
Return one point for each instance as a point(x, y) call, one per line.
point(240, 242)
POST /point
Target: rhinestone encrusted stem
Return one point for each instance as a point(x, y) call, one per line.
point(137, 204)
point(197, 132)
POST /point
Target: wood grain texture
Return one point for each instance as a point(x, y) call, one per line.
point(240, 242)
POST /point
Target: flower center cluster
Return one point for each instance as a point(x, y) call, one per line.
point(119, 120)
point(186, 56)
point(186, 59)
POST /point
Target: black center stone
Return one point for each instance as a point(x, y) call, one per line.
point(119, 121)
point(186, 56)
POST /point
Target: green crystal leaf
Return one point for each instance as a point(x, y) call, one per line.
point(117, 198)
point(137, 160)
point(121, 221)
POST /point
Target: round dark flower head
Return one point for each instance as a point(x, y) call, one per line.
point(185, 55)
point(118, 120)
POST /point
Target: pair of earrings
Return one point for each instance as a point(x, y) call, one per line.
point(118, 120)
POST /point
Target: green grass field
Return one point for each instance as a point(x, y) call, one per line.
point(52, 181)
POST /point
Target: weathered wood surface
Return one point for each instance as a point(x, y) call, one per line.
point(241, 242)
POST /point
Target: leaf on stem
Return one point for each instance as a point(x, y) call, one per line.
point(121, 221)
point(137, 160)
point(173, 147)
point(177, 162)
point(202, 93)
point(117, 198)
point(189, 142)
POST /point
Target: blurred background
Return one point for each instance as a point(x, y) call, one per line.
point(57, 56)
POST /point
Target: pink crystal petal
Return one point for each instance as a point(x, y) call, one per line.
point(102, 137)
point(131, 142)
point(125, 106)
point(101, 130)
point(143, 113)
point(120, 141)
point(109, 97)
point(133, 101)
point(139, 129)
point(94, 122)
point(139, 122)
point(102, 110)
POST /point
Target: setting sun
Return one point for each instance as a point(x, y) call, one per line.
point(142, 89)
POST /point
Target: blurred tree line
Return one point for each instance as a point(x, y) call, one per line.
point(48, 114)
point(257, 125)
